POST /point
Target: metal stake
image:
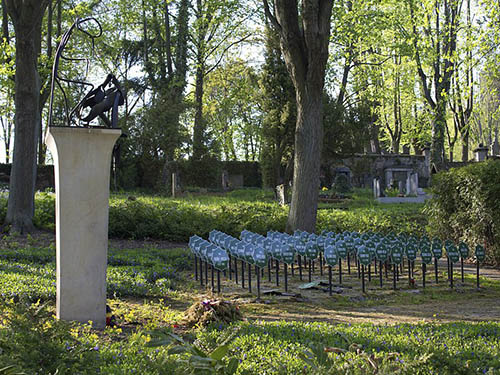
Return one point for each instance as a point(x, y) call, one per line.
point(462, 269)
point(258, 283)
point(195, 268)
point(242, 274)
point(249, 278)
point(212, 278)
point(394, 276)
point(206, 273)
point(286, 276)
point(340, 271)
point(330, 280)
point(348, 263)
point(236, 270)
point(269, 269)
point(310, 268)
point(277, 273)
point(321, 263)
point(218, 281)
point(477, 274)
point(436, 269)
point(230, 269)
point(409, 273)
point(380, 269)
point(201, 272)
point(363, 278)
point(451, 275)
point(424, 266)
point(300, 267)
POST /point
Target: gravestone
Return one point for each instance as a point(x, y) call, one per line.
point(413, 184)
point(376, 188)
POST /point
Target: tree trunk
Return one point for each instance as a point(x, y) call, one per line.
point(44, 95)
point(438, 130)
point(27, 19)
point(307, 161)
point(304, 42)
point(198, 128)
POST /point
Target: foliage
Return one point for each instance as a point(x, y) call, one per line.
point(342, 184)
point(465, 206)
point(30, 339)
point(198, 360)
point(145, 216)
point(279, 107)
point(208, 311)
point(28, 272)
point(278, 347)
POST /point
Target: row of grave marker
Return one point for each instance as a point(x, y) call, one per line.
point(257, 250)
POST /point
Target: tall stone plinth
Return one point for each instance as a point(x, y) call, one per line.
point(82, 161)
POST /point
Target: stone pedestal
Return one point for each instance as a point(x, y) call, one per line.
point(82, 160)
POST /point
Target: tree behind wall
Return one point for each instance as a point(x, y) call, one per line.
point(27, 18)
point(304, 42)
point(280, 113)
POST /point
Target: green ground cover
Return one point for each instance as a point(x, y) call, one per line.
point(142, 216)
point(148, 290)
point(150, 287)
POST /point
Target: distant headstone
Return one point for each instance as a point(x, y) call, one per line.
point(281, 195)
point(225, 180)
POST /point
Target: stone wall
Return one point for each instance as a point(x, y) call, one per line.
point(44, 180)
point(365, 167)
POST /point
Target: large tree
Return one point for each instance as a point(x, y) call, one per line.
point(304, 41)
point(27, 18)
point(434, 33)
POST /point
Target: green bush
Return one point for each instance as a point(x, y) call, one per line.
point(157, 217)
point(466, 206)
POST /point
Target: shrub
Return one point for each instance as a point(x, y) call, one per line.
point(466, 206)
point(156, 217)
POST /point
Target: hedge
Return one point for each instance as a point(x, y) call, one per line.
point(157, 217)
point(466, 206)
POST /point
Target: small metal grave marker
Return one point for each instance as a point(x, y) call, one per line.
point(426, 254)
point(463, 249)
point(311, 250)
point(452, 252)
point(364, 255)
point(480, 253)
point(276, 250)
point(342, 249)
point(396, 255)
point(287, 254)
point(249, 253)
point(437, 252)
point(437, 248)
point(331, 256)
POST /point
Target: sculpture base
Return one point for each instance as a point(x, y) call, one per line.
point(82, 159)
